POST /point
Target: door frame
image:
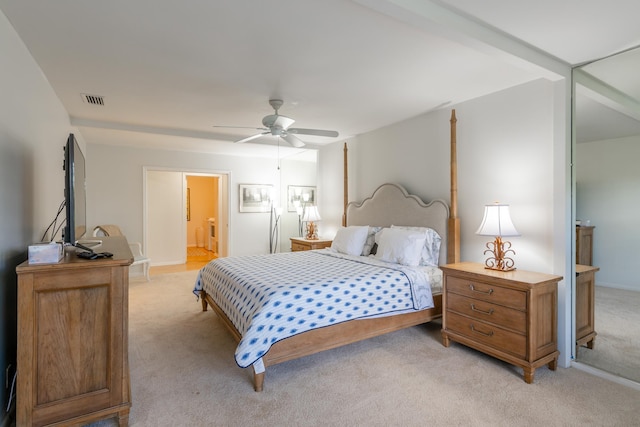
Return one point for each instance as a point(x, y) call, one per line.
point(222, 228)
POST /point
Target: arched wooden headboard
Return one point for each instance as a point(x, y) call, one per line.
point(413, 211)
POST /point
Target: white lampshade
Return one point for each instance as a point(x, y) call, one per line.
point(311, 214)
point(497, 222)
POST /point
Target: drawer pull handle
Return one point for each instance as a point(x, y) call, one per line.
point(489, 292)
point(486, 334)
point(489, 312)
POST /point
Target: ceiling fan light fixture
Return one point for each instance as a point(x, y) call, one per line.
point(278, 126)
point(275, 120)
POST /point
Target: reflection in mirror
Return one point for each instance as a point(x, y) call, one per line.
point(607, 195)
point(299, 169)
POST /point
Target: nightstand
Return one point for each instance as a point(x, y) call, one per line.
point(509, 315)
point(302, 244)
point(585, 306)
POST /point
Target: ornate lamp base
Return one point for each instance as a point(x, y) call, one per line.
point(498, 261)
point(312, 231)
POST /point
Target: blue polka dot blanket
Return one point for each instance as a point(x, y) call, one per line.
point(272, 297)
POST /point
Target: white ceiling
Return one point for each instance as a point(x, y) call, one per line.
point(171, 71)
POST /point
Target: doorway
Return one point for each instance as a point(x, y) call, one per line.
point(184, 209)
point(202, 218)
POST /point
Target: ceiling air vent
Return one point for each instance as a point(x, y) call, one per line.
point(92, 99)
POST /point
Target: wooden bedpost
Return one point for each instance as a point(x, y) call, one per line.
point(453, 247)
point(258, 381)
point(346, 188)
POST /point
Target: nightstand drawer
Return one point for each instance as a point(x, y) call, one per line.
point(487, 292)
point(488, 334)
point(298, 247)
point(488, 312)
point(300, 244)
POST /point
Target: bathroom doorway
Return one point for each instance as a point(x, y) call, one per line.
point(185, 209)
point(202, 217)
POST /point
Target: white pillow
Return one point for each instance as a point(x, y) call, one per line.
point(431, 251)
point(400, 246)
point(371, 240)
point(350, 240)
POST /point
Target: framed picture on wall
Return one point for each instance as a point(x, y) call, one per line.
point(255, 197)
point(188, 204)
point(300, 196)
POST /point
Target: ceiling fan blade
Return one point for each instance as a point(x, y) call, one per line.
point(284, 122)
point(252, 137)
point(293, 140)
point(316, 132)
point(241, 127)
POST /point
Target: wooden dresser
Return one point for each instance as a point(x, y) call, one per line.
point(509, 315)
point(584, 244)
point(301, 244)
point(585, 306)
point(72, 339)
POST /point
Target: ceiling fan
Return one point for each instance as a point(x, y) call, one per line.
point(277, 125)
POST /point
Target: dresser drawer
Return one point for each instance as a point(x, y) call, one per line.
point(485, 333)
point(488, 312)
point(487, 292)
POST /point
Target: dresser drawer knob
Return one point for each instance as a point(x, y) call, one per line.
point(486, 334)
point(489, 292)
point(489, 312)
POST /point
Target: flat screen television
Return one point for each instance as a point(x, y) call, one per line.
point(75, 195)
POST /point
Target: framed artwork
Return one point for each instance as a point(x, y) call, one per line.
point(255, 197)
point(188, 204)
point(299, 196)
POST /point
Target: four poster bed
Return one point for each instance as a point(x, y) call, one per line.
point(380, 275)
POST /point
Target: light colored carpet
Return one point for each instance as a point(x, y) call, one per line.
point(617, 345)
point(183, 374)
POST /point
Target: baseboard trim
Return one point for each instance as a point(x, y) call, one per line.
point(606, 375)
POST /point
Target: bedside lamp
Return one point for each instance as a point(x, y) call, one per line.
point(310, 215)
point(497, 223)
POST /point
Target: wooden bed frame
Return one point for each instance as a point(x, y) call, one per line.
point(371, 212)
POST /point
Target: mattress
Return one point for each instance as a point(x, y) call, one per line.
point(269, 298)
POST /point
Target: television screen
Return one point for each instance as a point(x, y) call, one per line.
point(74, 192)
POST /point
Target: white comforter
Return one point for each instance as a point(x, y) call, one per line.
point(272, 297)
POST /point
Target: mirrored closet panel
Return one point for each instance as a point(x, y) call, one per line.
point(607, 195)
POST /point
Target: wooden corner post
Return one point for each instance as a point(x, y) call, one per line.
point(346, 187)
point(453, 229)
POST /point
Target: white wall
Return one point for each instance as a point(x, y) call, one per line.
point(298, 173)
point(608, 194)
point(33, 130)
point(510, 149)
point(505, 153)
point(115, 189)
point(166, 241)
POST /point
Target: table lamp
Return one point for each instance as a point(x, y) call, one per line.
point(310, 216)
point(497, 223)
